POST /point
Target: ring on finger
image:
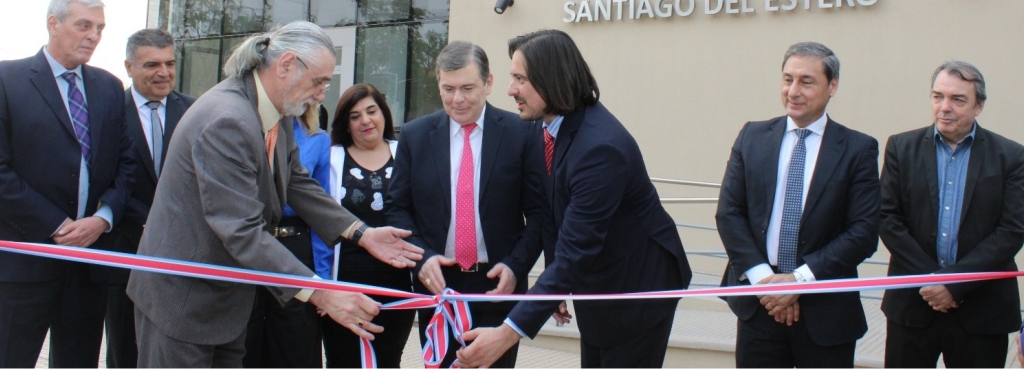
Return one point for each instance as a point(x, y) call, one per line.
point(360, 323)
point(426, 281)
point(393, 262)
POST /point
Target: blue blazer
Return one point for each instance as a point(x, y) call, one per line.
point(610, 233)
point(511, 189)
point(40, 159)
point(838, 230)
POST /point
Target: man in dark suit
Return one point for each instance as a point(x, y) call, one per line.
point(799, 202)
point(152, 110)
point(230, 168)
point(65, 175)
point(491, 156)
point(952, 202)
point(610, 233)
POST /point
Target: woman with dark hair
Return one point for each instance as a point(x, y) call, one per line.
point(361, 157)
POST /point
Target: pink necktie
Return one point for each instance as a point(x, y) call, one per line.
point(465, 215)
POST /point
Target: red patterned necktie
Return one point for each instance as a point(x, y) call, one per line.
point(549, 148)
point(465, 213)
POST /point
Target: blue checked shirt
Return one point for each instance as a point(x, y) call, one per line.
point(952, 166)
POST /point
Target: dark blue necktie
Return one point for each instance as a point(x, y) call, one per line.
point(792, 209)
point(79, 113)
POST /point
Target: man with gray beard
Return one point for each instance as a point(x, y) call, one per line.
point(230, 168)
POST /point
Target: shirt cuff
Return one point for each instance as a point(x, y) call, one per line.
point(305, 293)
point(347, 234)
point(515, 327)
point(107, 215)
point(758, 273)
point(806, 272)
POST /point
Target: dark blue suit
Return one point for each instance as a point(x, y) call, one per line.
point(610, 235)
point(511, 188)
point(838, 230)
point(122, 350)
point(40, 161)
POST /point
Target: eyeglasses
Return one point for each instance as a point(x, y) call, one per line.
point(319, 84)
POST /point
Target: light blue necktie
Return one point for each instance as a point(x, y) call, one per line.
point(792, 209)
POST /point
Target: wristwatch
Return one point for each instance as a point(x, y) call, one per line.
point(358, 233)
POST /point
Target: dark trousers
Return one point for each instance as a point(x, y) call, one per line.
point(643, 351)
point(122, 349)
point(157, 350)
point(485, 314)
point(70, 307)
point(920, 347)
point(285, 336)
point(763, 343)
point(341, 346)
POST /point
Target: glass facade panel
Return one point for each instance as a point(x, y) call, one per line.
point(333, 13)
point(203, 18)
point(285, 11)
point(372, 11)
point(430, 9)
point(227, 46)
point(243, 16)
point(199, 70)
point(427, 41)
point(381, 60)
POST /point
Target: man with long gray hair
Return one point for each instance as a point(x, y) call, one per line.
point(230, 168)
point(65, 175)
point(952, 202)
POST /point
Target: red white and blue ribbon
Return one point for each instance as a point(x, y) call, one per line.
point(452, 308)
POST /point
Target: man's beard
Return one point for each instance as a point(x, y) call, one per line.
point(297, 109)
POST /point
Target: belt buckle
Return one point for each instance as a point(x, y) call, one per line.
point(280, 232)
point(475, 268)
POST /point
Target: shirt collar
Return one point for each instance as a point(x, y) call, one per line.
point(57, 68)
point(817, 127)
point(141, 101)
point(269, 115)
point(454, 127)
point(939, 138)
point(554, 125)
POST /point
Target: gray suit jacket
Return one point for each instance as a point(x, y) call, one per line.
point(215, 203)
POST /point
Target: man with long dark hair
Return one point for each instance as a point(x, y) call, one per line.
point(610, 232)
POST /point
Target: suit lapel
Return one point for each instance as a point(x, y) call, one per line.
point(931, 169)
point(490, 145)
point(134, 124)
point(566, 134)
point(833, 145)
point(46, 84)
point(770, 158)
point(175, 109)
point(440, 146)
point(281, 168)
point(96, 114)
point(973, 170)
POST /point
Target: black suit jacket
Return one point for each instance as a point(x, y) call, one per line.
point(129, 231)
point(40, 159)
point(511, 174)
point(610, 233)
point(838, 229)
point(991, 228)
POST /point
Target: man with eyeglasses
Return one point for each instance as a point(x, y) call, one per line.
point(230, 168)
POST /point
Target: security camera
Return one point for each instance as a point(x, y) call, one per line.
point(501, 5)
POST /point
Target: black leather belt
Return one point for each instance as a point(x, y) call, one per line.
point(476, 267)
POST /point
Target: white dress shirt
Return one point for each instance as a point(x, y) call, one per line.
point(144, 116)
point(789, 141)
point(476, 139)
